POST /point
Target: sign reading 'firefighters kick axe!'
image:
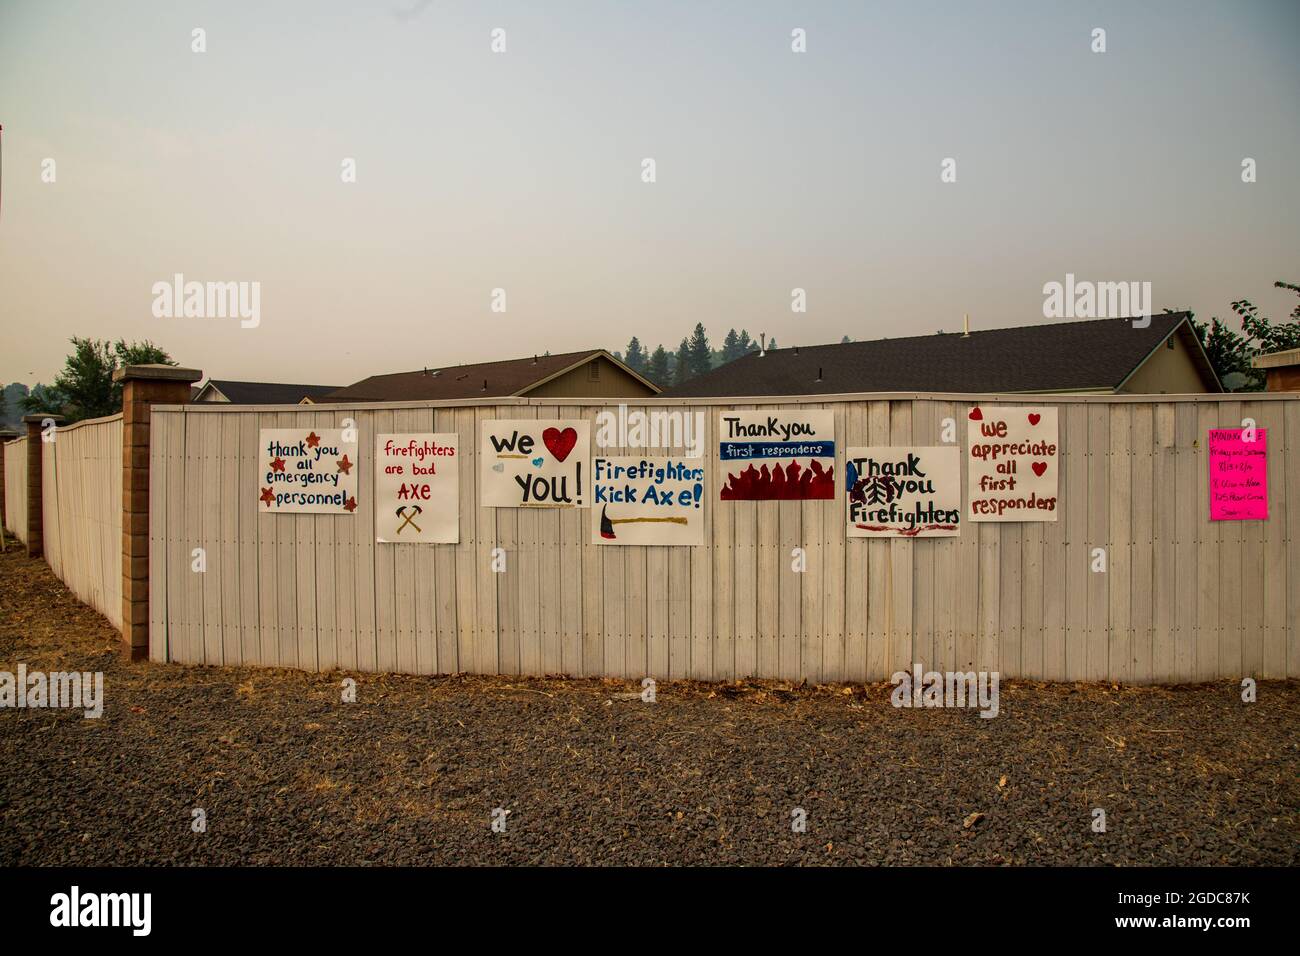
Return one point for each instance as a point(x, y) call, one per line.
point(639, 500)
point(417, 489)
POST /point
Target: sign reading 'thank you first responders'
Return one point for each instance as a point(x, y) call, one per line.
point(306, 471)
point(639, 500)
point(534, 463)
point(417, 489)
point(1012, 463)
point(1238, 474)
point(784, 454)
point(908, 492)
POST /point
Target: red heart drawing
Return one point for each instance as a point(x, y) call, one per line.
point(559, 442)
point(976, 415)
point(1034, 417)
point(1039, 467)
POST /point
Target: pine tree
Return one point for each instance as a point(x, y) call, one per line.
point(635, 357)
point(701, 356)
point(682, 370)
point(772, 344)
point(744, 344)
point(731, 346)
point(657, 370)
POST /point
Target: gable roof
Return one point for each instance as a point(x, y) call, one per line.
point(264, 393)
point(481, 380)
point(1060, 357)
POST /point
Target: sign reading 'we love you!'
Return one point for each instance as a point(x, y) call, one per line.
point(1012, 464)
point(534, 463)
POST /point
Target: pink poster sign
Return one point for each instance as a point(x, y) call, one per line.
point(1238, 475)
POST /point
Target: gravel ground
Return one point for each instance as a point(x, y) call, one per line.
point(411, 772)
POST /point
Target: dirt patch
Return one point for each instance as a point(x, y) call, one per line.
point(410, 774)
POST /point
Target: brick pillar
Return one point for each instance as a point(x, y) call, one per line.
point(35, 470)
point(142, 387)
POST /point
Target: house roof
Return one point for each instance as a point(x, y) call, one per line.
point(481, 380)
point(265, 393)
point(1059, 357)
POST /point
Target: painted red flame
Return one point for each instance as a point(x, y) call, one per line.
point(790, 482)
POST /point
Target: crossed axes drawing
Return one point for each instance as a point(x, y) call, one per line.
point(408, 519)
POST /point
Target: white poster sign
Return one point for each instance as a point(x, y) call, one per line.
point(534, 463)
point(417, 488)
point(644, 500)
point(903, 491)
point(306, 471)
point(1012, 463)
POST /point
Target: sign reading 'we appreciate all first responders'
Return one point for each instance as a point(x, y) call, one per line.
point(417, 489)
point(534, 463)
point(1012, 463)
point(307, 471)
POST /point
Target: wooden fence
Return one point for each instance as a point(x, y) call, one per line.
point(1184, 598)
point(81, 508)
point(15, 479)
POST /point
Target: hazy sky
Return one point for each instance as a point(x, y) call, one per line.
point(522, 170)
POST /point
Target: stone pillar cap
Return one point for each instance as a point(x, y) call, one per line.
point(41, 416)
point(157, 373)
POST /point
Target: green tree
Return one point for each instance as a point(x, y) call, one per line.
point(772, 343)
point(731, 346)
point(701, 356)
point(744, 343)
point(657, 370)
point(85, 388)
point(682, 366)
point(635, 357)
point(1230, 351)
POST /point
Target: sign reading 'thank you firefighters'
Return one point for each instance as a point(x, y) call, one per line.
point(306, 471)
point(905, 491)
point(1012, 463)
point(417, 489)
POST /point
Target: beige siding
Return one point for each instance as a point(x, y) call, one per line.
point(1167, 371)
point(1184, 599)
point(609, 381)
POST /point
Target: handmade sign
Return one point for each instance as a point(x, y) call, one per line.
point(306, 471)
point(908, 492)
point(782, 455)
point(639, 500)
point(417, 488)
point(1012, 463)
point(1238, 474)
point(534, 463)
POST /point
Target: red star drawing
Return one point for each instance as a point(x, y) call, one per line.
point(344, 466)
point(277, 464)
point(313, 440)
point(268, 496)
point(351, 505)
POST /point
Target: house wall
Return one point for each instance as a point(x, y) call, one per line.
point(611, 382)
point(1184, 599)
point(1168, 371)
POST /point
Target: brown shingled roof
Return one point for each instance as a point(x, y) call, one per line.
point(1064, 356)
point(481, 380)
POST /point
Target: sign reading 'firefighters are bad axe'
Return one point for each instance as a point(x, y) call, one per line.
point(306, 471)
point(1012, 463)
point(903, 491)
point(782, 455)
point(417, 488)
point(647, 500)
point(534, 463)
